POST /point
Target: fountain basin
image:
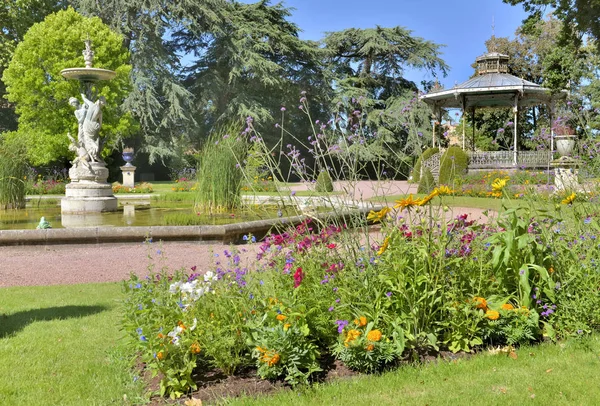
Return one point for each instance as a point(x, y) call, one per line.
point(88, 74)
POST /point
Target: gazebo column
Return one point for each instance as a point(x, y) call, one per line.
point(464, 118)
point(437, 118)
point(515, 130)
point(473, 115)
point(552, 107)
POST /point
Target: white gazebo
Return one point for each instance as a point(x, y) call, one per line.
point(494, 87)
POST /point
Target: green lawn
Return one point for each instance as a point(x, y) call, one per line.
point(60, 345)
point(549, 374)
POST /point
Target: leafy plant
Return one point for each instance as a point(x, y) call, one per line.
point(454, 162)
point(324, 182)
point(13, 174)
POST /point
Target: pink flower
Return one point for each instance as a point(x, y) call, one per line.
point(298, 276)
point(331, 246)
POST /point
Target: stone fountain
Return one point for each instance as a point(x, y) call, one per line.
point(88, 191)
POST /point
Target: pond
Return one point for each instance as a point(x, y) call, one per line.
point(127, 215)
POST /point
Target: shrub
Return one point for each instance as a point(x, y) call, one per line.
point(454, 162)
point(324, 182)
point(427, 182)
point(140, 188)
point(13, 174)
point(416, 173)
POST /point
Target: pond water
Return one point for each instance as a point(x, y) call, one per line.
point(128, 215)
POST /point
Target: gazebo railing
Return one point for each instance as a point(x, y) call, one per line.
point(506, 159)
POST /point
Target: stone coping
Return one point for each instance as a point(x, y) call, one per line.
point(229, 233)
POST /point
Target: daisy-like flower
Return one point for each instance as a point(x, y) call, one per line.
point(374, 335)
point(406, 203)
point(427, 199)
point(499, 184)
point(379, 215)
point(384, 246)
point(492, 315)
point(444, 190)
point(569, 199)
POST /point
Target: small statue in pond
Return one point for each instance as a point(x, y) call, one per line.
point(43, 224)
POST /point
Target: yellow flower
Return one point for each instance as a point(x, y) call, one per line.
point(195, 348)
point(492, 315)
point(499, 184)
point(361, 321)
point(569, 199)
point(160, 355)
point(281, 317)
point(507, 306)
point(374, 335)
point(384, 246)
point(480, 303)
point(444, 190)
point(378, 216)
point(427, 199)
point(286, 326)
point(407, 203)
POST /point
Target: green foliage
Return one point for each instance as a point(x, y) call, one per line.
point(13, 174)
point(219, 174)
point(416, 172)
point(324, 184)
point(427, 182)
point(41, 94)
point(454, 162)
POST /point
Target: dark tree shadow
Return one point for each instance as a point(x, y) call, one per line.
point(12, 323)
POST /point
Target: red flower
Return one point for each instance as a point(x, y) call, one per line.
point(331, 246)
point(298, 276)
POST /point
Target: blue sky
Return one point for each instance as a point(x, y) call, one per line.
point(461, 25)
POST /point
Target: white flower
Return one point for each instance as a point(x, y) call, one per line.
point(210, 275)
point(174, 288)
point(188, 287)
point(193, 326)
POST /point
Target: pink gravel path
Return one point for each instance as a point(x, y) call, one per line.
point(71, 264)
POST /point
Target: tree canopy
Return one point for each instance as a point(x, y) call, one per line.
point(41, 94)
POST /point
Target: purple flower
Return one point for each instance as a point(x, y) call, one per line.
point(331, 308)
point(341, 324)
point(282, 108)
point(389, 294)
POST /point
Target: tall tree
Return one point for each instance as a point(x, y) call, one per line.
point(580, 16)
point(368, 65)
point(158, 100)
point(16, 17)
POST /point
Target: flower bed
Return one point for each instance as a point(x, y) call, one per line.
point(319, 293)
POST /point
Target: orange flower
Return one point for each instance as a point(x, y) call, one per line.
point(180, 324)
point(195, 348)
point(507, 306)
point(274, 360)
point(361, 321)
point(551, 269)
point(480, 303)
point(351, 336)
point(370, 347)
point(492, 315)
point(281, 317)
point(161, 335)
point(160, 355)
point(374, 335)
point(407, 203)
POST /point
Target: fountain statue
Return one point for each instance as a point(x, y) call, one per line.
point(88, 191)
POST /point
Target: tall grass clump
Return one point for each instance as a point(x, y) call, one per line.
point(13, 173)
point(219, 173)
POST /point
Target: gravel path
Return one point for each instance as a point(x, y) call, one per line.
point(71, 264)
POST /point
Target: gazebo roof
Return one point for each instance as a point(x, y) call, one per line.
point(492, 87)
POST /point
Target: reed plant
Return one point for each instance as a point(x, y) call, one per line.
point(13, 174)
point(219, 173)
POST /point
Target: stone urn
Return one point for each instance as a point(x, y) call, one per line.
point(565, 144)
point(127, 156)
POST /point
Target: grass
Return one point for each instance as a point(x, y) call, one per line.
point(61, 345)
point(547, 374)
